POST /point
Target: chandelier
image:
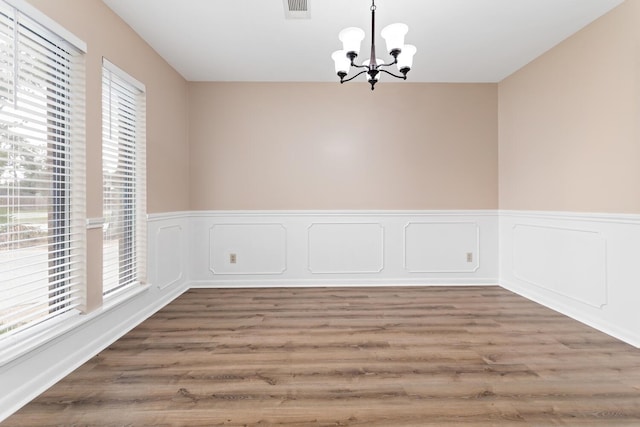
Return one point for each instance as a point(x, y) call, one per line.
point(394, 36)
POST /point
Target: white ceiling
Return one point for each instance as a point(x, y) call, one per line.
point(250, 40)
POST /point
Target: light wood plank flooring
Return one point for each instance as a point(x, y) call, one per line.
point(405, 356)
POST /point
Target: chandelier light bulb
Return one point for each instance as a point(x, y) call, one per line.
point(394, 36)
point(351, 38)
point(405, 58)
point(342, 62)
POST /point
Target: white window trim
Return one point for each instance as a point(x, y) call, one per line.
point(36, 15)
point(123, 74)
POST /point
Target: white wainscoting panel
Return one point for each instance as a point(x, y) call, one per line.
point(442, 247)
point(169, 255)
point(583, 265)
point(570, 262)
point(326, 248)
point(345, 248)
point(167, 249)
point(257, 249)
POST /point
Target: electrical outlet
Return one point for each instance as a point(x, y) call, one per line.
point(469, 256)
point(233, 258)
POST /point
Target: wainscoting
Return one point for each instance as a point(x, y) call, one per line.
point(230, 249)
point(167, 251)
point(582, 265)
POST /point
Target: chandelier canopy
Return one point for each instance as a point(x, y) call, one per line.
point(351, 39)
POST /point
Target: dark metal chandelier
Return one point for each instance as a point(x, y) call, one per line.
point(351, 39)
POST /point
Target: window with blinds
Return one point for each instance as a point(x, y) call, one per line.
point(124, 180)
point(42, 166)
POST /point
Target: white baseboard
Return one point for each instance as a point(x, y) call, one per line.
point(619, 332)
point(336, 283)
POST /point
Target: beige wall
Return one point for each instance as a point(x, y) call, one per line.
point(167, 115)
point(332, 146)
point(570, 122)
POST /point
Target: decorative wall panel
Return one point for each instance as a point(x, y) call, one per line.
point(562, 260)
point(442, 247)
point(248, 249)
point(169, 255)
point(345, 248)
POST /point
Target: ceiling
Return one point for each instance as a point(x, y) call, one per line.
point(251, 40)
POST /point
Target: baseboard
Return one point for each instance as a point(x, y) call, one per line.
point(615, 331)
point(336, 283)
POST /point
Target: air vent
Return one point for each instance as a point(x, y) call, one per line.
point(296, 9)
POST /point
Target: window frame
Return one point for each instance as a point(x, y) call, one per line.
point(64, 121)
point(135, 228)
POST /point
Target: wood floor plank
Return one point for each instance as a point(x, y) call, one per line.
point(398, 356)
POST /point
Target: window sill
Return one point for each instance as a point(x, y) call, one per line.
point(14, 347)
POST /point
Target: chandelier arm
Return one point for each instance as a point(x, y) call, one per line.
point(394, 75)
point(351, 78)
point(395, 61)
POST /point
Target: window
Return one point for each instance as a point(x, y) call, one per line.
point(124, 176)
point(42, 189)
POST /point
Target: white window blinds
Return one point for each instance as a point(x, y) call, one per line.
point(124, 180)
point(42, 166)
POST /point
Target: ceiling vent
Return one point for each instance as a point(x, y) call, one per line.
point(296, 9)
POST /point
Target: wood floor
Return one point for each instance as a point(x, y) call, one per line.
point(407, 356)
